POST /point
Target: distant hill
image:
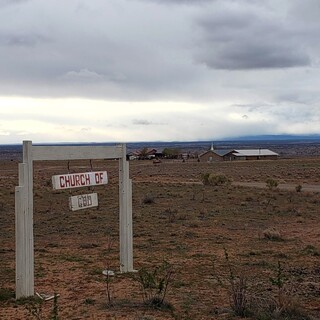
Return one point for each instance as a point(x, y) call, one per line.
point(285, 145)
point(279, 137)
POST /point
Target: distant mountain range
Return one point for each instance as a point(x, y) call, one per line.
point(253, 138)
point(285, 145)
point(279, 137)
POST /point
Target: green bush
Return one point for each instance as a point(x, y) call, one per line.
point(6, 294)
point(148, 199)
point(272, 183)
point(236, 286)
point(155, 284)
point(214, 179)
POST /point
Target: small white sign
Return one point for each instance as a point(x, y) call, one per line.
point(83, 201)
point(78, 180)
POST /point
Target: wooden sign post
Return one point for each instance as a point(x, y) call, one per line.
point(24, 202)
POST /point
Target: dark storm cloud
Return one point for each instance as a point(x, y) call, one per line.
point(253, 56)
point(237, 38)
point(150, 50)
point(224, 67)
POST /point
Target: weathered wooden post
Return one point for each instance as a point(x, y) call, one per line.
point(20, 221)
point(24, 226)
point(125, 192)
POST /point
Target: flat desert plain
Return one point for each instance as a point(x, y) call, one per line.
point(235, 248)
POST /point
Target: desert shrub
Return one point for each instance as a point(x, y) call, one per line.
point(171, 153)
point(205, 178)
point(214, 179)
point(299, 188)
point(2, 206)
point(155, 283)
point(33, 307)
point(171, 214)
point(237, 287)
point(281, 306)
point(267, 309)
point(278, 306)
point(109, 275)
point(272, 183)
point(269, 305)
point(182, 217)
point(279, 280)
point(238, 290)
point(55, 308)
point(239, 299)
point(89, 301)
point(88, 245)
point(312, 250)
point(148, 199)
point(272, 234)
point(6, 294)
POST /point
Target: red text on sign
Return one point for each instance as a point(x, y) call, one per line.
point(78, 180)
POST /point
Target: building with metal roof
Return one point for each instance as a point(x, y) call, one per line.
point(237, 154)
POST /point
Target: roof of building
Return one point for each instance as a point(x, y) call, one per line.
point(254, 152)
point(222, 152)
point(242, 152)
point(219, 152)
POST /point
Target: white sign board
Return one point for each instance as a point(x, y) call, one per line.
point(77, 180)
point(83, 201)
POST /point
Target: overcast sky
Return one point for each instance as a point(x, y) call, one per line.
point(145, 70)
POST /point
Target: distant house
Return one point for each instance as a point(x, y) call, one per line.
point(230, 155)
point(145, 153)
point(215, 155)
point(132, 156)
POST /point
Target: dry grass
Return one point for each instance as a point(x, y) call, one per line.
point(187, 225)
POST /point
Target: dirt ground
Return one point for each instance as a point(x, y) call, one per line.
point(211, 236)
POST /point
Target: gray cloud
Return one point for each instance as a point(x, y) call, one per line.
point(88, 76)
point(281, 112)
point(83, 75)
point(4, 3)
point(303, 97)
point(22, 39)
point(262, 56)
point(252, 107)
point(251, 37)
point(138, 50)
point(143, 122)
point(181, 2)
point(86, 129)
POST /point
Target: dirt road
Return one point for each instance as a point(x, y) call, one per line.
point(281, 186)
